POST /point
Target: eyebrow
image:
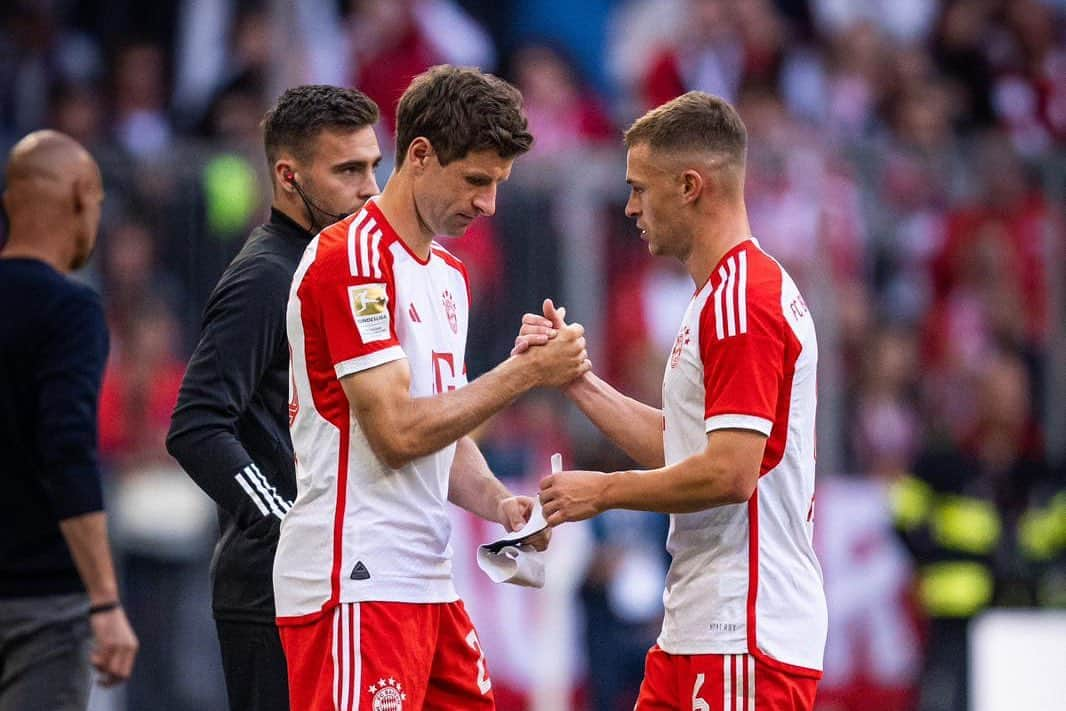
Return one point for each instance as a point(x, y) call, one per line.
point(356, 163)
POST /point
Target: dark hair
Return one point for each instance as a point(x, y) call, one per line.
point(695, 121)
point(460, 110)
point(304, 111)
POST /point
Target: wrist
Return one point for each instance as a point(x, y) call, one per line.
point(578, 386)
point(103, 596)
point(101, 607)
point(520, 375)
point(610, 493)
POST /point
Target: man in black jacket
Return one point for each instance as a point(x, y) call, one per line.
point(230, 427)
point(59, 604)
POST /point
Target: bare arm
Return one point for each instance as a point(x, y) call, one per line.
point(632, 425)
point(473, 486)
point(115, 645)
point(725, 472)
point(87, 540)
point(401, 428)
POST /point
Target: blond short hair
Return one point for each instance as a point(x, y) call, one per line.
point(693, 122)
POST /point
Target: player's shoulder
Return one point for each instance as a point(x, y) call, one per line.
point(354, 248)
point(447, 259)
point(744, 288)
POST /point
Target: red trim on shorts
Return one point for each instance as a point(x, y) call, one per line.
point(785, 667)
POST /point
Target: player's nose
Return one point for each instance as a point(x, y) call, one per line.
point(485, 201)
point(369, 188)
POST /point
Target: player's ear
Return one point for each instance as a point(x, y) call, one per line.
point(692, 185)
point(419, 153)
point(79, 188)
point(285, 173)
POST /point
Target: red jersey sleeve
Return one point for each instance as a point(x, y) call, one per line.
point(742, 346)
point(358, 317)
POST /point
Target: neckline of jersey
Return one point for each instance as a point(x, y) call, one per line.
point(732, 250)
point(375, 211)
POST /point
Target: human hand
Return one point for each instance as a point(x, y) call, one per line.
point(114, 646)
point(563, 358)
point(537, 330)
point(572, 496)
point(514, 511)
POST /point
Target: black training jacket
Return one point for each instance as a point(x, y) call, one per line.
point(230, 429)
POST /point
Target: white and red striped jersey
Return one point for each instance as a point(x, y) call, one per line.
point(744, 578)
point(359, 531)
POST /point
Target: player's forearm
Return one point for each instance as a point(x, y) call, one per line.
point(472, 485)
point(694, 484)
point(632, 425)
point(86, 537)
point(429, 424)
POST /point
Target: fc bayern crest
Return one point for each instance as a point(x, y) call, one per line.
point(449, 309)
point(388, 695)
point(679, 345)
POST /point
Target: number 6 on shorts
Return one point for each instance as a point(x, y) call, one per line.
point(699, 704)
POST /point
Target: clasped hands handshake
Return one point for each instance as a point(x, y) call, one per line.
point(569, 495)
point(556, 349)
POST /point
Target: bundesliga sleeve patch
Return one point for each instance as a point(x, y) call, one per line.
point(370, 309)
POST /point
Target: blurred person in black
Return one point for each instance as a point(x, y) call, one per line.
point(230, 429)
point(59, 602)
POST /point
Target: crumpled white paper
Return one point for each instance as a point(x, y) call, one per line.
point(509, 559)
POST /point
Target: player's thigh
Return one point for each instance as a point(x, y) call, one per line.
point(317, 661)
point(397, 641)
point(460, 676)
point(779, 690)
point(358, 657)
point(697, 682)
point(659, 689)
point(48, 669)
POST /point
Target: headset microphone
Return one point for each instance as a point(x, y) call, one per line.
point(312, 207)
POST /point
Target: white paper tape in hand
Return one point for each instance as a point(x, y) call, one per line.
point(510, 559)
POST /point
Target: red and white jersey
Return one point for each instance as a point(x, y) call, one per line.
point(358, 530)
point(744, 578)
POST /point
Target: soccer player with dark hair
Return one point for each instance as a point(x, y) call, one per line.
point(730, 456)
point(377, 320)
point(230, 427)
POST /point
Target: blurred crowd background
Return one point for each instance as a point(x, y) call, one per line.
point(906, 165)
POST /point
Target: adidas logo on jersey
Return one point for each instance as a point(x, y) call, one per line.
point(359, 572)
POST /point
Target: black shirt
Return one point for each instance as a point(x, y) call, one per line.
point(53, 346)
point(230, 429)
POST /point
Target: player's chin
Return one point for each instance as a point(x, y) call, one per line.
point(458, 226)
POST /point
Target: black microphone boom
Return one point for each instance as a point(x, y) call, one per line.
point(311, 208)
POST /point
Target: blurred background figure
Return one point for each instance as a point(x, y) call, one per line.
point(906, 158)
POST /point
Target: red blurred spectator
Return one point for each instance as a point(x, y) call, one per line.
point(562, 114)
point(395, 40)
point(140, 390)
point(990, 278)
